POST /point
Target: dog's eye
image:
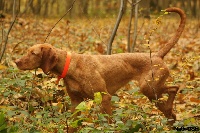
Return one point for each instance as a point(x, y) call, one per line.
point(32, 52)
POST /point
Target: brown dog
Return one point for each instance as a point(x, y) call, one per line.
point(88, 74)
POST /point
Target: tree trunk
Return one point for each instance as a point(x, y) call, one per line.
point(58, 7)
point(129, 29)
point(194, 14)
point(145, 5)
point(14, 9)
point(109, 49)
point(135, 26)
point(1, 5)
point(85, 7)
point(46, 10)
point(31, 6)
point(68, 6)
point(38, 7)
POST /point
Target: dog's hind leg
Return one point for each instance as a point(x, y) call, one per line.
point(154, 89)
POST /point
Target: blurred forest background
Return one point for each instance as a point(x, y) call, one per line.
point(102, 8)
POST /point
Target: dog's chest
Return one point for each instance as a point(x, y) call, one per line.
point(79, 93)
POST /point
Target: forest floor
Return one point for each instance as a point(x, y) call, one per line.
point(30, 102)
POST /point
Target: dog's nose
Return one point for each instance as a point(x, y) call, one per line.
point(17, 61)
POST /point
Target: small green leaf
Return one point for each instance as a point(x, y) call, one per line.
point(136, 128)
point(82, 106)
point(189, 121)
point(2, 123)
point(97, 97)
point(12, 129)
point(166, 13)
point(119, 50)
point(115, 99)
point(11, 113)
point(76, 123)
point(133, 90)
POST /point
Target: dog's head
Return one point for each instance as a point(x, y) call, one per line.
point(38, 56)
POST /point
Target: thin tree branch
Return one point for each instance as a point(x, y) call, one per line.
point(6, 41)
point(29, 3)
point(121, 11)
point(60, 20)
point(2, 33)
point(93, 27)
point(133, 4)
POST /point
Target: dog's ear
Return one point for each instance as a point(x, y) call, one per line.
point(49, 59)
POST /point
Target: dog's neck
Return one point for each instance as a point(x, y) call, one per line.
point(62, 55)
point(58, 69)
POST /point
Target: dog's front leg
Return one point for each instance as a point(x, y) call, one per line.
point(74, 103)
point(75, 100)
point(106, 105)
point(73, 106)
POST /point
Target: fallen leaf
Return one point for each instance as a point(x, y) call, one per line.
point(196, 100)
point(2, 67)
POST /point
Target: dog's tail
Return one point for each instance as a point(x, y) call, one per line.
point(163, 51)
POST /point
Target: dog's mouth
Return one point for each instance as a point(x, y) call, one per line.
point(20, 65)
point(23, 65)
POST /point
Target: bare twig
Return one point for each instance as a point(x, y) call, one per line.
point(60, 19)
point(133, 4)
point(2, 33)
point(29, 3)
point(93, 28)
point(158, 22)
point(6, 40)
point(121, 11)
point(30, 92)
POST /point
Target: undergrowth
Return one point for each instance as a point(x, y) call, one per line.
point(24, 110)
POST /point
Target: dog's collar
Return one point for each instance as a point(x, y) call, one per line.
point(65, 70)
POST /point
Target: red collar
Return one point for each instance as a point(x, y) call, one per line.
point(64, 73)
